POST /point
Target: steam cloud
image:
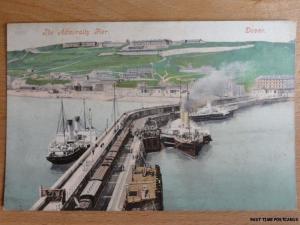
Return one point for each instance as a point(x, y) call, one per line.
point(214, 84)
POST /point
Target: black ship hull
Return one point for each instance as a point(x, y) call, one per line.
point(152, 144)
point(190, 148)
point(207, 117)
point(167, 141)
point(67, 158)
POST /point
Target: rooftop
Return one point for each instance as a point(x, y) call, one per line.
point(276, 77)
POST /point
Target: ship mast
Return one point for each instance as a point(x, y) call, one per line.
point(114, 103)
point(90, 122)
point(179, 91)
point(84, 117)
point(188, 111)
point(90, 118)
point(63, 119)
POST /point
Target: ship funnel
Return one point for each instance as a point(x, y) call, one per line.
point(208, 105)
point(77, 123)
point(70, 129)
point(184, 116)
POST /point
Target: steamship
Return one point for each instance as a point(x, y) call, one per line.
point(185, 135)
point(72, 139)
point(212, 113)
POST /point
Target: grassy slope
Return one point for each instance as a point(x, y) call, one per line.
point(76, 60)
point(45, 81)
point(275, 58)
point(264, 58)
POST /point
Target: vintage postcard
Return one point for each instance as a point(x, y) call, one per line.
point(118, 116)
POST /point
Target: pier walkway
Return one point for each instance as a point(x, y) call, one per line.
point(241, 104)
point(119, 194)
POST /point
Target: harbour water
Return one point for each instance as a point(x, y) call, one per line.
point(249, 165)
point(31, 125)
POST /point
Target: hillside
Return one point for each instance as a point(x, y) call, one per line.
point(263, 59)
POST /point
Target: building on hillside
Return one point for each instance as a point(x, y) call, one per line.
point(174, 91)
point(17, 83)
point(93, 85)
point(100, 75)
point(110, 44)
point(30, 70)
point(194, 41)
point(137, 73)
point(157, 91)
point(149, 44)
point(80, 44)
point(281, 85)
point(100, 80)
point(89, 44)
point(71, 45)
point(59, 76)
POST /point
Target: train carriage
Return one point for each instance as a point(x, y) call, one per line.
point(89, 194)
point(101, 173)
point(112, 154)
point(107, 162)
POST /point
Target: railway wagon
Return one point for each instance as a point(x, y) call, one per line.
point(101, 173)
point(111, 154)
point(107, 162)
point(114, 148)
point(89, 194)
point(93, 188)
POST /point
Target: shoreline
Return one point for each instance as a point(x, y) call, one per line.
point(101, 96)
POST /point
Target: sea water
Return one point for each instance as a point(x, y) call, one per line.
point(249, 165)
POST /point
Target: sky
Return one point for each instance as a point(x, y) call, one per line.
point(30, 35)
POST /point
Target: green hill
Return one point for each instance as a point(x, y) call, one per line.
point(264, 58)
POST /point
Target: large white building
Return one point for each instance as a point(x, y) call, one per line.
point(138, 73)
point(80, 44)
point(101, 75)
point(110, 44)
point(149, 44)
point(282, 85)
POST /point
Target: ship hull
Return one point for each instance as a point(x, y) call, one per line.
point(167, 141)
point(190, 148)
point(207, 117)
point(152, 144)
point(68, 158)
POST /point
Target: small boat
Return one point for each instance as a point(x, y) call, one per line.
point(72, 139)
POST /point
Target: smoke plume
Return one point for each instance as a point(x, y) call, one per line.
point(214, 84)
